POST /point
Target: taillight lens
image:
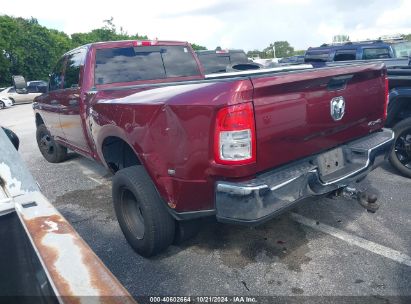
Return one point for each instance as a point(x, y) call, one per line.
point(234, 139)
point(143, 43)
point(387, 97)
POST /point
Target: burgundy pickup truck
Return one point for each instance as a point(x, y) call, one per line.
point(240, 146)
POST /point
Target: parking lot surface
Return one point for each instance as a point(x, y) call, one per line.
point(331, 247)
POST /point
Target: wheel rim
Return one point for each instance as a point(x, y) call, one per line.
point(46, 143)
point(1, 105)
point(403, 148)
point(133, 215)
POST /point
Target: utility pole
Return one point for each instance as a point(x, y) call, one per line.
point(274, 51)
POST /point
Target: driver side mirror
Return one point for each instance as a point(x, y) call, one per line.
point(20, 84)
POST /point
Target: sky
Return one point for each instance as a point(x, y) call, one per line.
point(245, 24)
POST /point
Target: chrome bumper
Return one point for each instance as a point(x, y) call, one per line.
point(261, 198)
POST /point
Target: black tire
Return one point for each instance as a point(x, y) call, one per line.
point(141, 212)
point(51, 151)
point(400, 156)
point(2, 105)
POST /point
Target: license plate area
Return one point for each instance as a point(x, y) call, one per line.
point(331, 161)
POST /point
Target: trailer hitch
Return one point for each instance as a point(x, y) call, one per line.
point(366, 199)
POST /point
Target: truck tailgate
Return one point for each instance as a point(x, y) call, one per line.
point(293, 111)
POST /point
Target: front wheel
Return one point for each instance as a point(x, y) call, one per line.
point(141, 212)
point(2, 105)
point(51, 151)
point(400, 156)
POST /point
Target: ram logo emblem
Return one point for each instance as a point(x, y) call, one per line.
point(337, 105)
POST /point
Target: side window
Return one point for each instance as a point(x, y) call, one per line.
point(343, 55)
point(376, 53)
point(32, 89)
point(72, 73)
point(317, 56)
point(56, 76)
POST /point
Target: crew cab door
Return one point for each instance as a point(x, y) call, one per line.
point(71, 103)
point(48, 104)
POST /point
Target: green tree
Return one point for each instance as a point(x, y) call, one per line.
point(108, 32)
point(32, 50)
point(341, 38)
point(197, 47)
point(255, 54)
point(28, 48)
point(283, 49)
point(299, 52)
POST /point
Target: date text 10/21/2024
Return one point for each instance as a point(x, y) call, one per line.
point(204, 299)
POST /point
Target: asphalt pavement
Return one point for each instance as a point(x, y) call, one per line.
point(332, 247)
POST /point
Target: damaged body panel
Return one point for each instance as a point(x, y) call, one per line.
point(65, 268)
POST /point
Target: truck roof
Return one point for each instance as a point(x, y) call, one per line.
point(138, 43)
point(350, 45)
point(206, 52)
point(349, 51)
point(119, 43)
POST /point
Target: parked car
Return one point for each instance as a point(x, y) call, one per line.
point(37, 86)
point(218, 61)
point(17, 98)
point(44, 260)
point(5, 102)
point(37, 83)
point(402, 49)
point(374, 49)
point(399, 108)
point(239, 146)
point(365, 50)
point(399, 117)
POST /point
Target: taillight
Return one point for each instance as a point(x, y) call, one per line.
point(234, 138)
point(387, 97)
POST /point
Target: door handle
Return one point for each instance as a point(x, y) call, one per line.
point(73, 102)
point(339, 82)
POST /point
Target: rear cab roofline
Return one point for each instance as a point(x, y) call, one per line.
point(90, 62)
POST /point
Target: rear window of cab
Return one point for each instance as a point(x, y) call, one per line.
point(129, 64)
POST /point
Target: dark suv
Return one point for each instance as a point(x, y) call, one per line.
point(397, 57)
point(375, 49)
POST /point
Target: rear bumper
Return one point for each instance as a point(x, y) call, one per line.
point(254, 201)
